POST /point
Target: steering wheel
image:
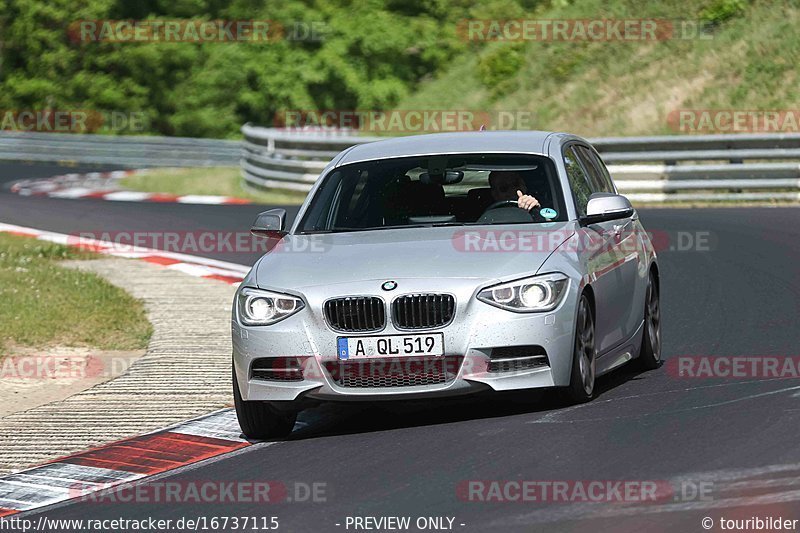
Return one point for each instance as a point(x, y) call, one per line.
point(506, 203)
point(501, 203)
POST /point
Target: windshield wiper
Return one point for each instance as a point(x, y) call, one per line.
point(411, 226)
point(342, 230)
point(414, 226)
point(322, 231)
point(375, 228)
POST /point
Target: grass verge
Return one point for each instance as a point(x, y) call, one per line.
point(44, 304)
point(215, 181)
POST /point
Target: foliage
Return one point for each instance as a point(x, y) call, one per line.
point(362, 55)
point(498, 66)
point(722, 10)
point(720, 55)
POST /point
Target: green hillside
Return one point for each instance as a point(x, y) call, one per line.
point(746, 60)
point(386, 55)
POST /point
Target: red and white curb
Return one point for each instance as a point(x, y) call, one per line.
point(104, 186)
point(137, 457)
point(188, 264)
point(121, 462)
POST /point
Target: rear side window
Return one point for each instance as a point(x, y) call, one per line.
point(578, 180)
point(601, 180)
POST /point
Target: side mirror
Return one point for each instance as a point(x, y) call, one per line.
point(606, 206)
point(269, 223)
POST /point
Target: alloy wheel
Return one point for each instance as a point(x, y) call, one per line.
point(585, 350)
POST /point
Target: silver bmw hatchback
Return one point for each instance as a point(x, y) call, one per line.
point(440, 265)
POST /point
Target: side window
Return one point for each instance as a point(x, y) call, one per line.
point(598, 172)
point(578, 180)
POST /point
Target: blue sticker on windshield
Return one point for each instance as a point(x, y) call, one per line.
point(548, 213)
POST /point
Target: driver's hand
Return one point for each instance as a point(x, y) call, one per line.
point(526, 201)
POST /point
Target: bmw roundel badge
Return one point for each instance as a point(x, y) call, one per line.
point(389, 285)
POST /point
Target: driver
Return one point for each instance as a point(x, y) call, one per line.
point(505, 183)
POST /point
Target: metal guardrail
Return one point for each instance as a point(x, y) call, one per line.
point(646, 169)
point(125, 151)
point(748, 167)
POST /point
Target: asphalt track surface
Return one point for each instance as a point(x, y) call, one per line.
point(737, 295)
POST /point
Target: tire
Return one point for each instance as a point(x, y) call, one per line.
point(650, 352)
point(583, 374)
point(260, 420)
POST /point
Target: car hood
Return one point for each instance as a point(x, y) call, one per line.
point(484, 253)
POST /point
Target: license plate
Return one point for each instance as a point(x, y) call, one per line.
point(431, 344)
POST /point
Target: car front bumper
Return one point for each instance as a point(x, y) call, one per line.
point(477, 331)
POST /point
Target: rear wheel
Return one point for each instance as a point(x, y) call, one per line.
point(261, 420)
point(582, 377)
point(650, 353)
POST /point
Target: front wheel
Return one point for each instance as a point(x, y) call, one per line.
point(260, 420)
point(650, 352)
point(582, 377)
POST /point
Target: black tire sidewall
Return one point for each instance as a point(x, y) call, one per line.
point(260, 420)
point(575, 392)
point(647, 359)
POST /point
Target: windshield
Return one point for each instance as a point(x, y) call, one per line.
point(437, 190)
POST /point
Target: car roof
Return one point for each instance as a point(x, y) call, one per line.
point(479, 142)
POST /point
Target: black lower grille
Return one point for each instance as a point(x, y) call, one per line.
point(419, 311)
point(517, 365)
point(394, 372)
point(517, 359)
point(277, 369)
point(356, 313)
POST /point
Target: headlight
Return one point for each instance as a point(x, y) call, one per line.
point(262, 308)
point(534, 294)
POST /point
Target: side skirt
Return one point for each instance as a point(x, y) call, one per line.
point(621, 354)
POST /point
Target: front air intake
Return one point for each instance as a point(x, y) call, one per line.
point(518, 359)
point(394, 372)
point(277, 369)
